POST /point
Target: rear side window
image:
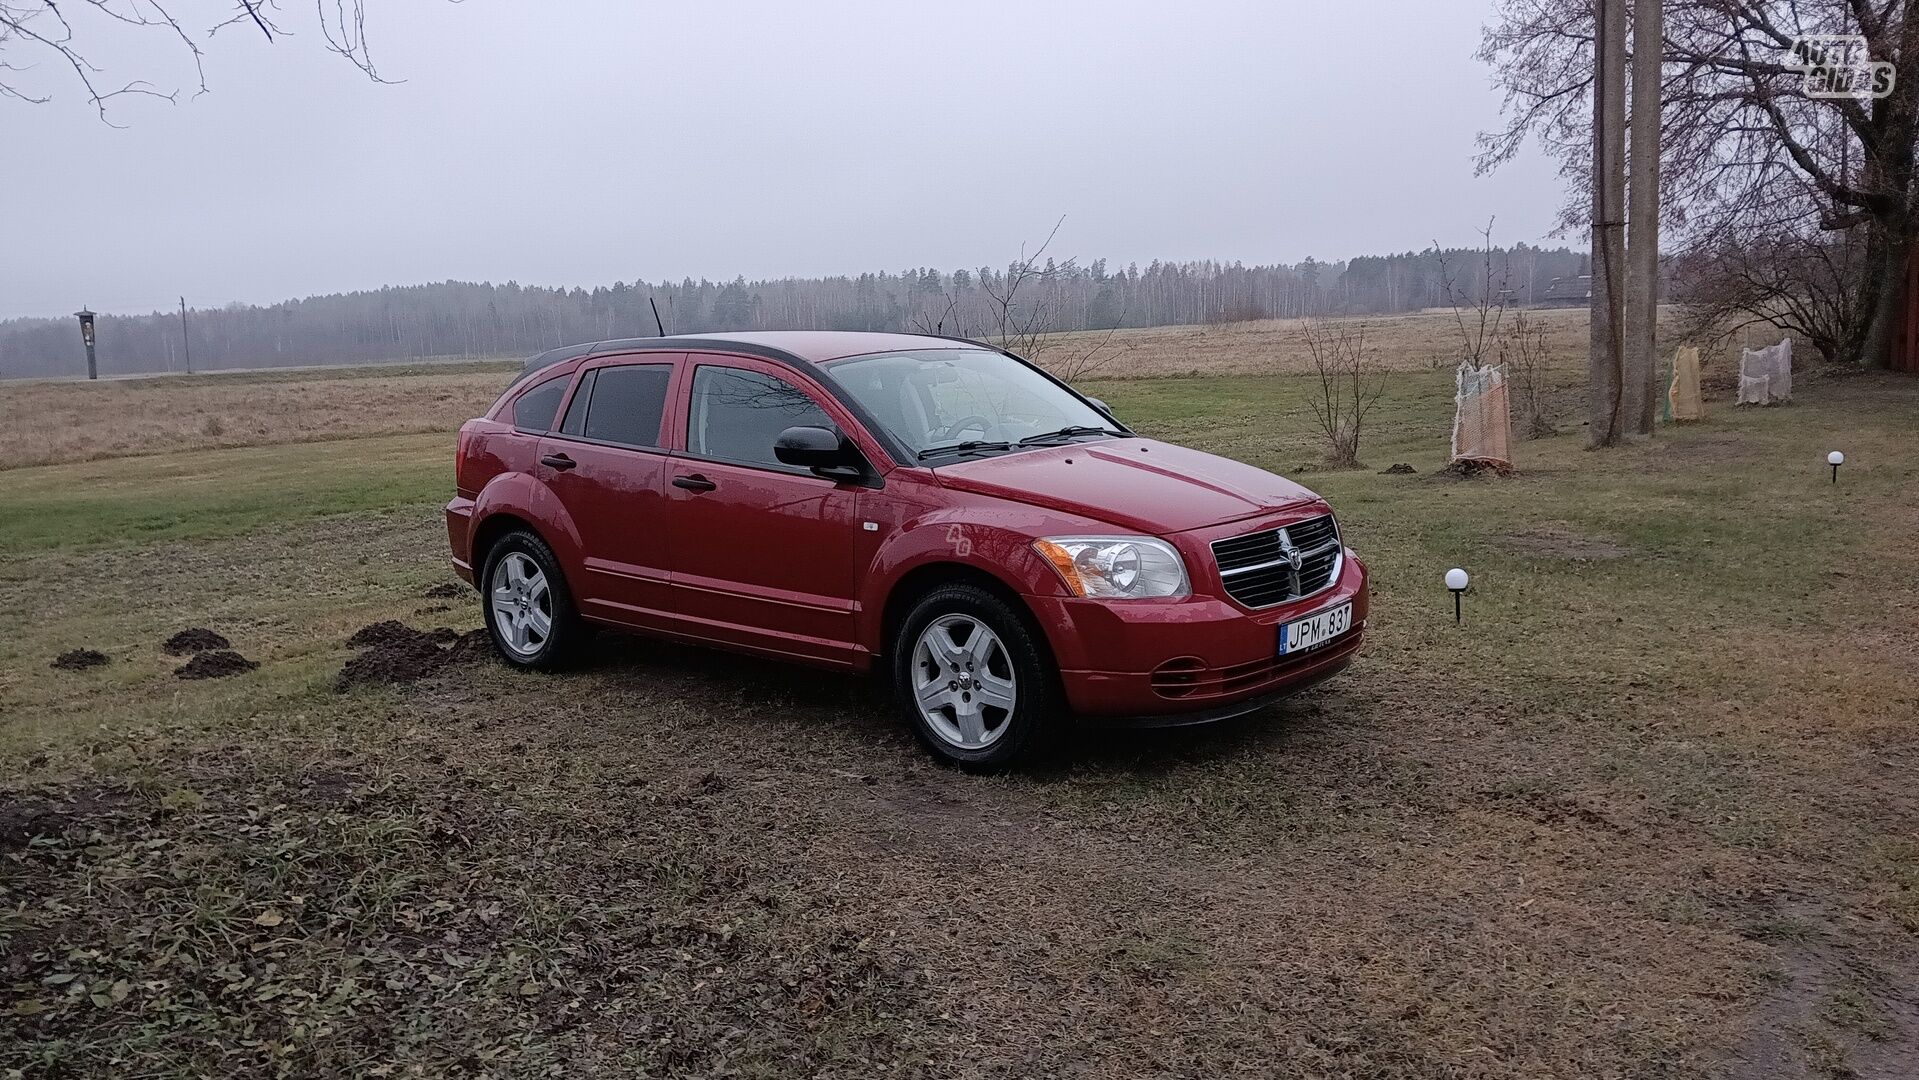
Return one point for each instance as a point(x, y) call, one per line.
point(626, 404)
point(533, 410)
point(737, 414)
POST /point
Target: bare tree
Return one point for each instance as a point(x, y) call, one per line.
point(1527, 358)
point(1349, 386)
point(1480, 311)
point(1745, 134)
point(1802, 283)
point(32, 31)
point(1020, 313)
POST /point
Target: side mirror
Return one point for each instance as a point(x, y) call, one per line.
point(1102, 407)
point(821, 450)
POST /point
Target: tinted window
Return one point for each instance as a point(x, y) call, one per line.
point(576, 409)
point(626, 404)
point(737, 414)
point(534, 409)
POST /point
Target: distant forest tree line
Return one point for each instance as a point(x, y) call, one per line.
point(455, 319)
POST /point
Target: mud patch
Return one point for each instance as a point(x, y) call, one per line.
point(217, 664)
point(446, 590)
point(27, 816)
point(79, 660)
point(1543, 807)
point(393, 652)
point(194, 639)
point(1835, 1009)
point(1561, 542)
point(1471, 468)
point(470, 646)
point(1398, 469)
point(384, 632)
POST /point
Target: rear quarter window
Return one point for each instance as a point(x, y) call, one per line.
point(534, 409)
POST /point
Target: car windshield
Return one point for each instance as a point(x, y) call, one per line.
point(969, 400)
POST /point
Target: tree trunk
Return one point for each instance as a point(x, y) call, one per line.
point(1639, 387)
point(1604, 352)
point(1882, 292)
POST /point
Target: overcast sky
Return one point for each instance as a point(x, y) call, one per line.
point(596, 140)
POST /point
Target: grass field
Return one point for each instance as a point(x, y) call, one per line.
point(1648, 813)
point(51, 422)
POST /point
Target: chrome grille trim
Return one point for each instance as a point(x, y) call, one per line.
point(1257, 576)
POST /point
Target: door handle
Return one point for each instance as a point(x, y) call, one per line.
point(558, 461)
point(696, 482)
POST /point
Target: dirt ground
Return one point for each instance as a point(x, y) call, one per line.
point(1648, 813)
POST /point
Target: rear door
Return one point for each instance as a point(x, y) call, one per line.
point(607, 463)
point(762, 552)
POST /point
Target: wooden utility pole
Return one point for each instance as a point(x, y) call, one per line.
point(1605, 352)
point(1640, 390)
point(186, 347)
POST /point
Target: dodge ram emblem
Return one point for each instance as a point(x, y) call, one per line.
point(1288, 552)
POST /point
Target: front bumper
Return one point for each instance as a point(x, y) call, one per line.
point(1191, 660)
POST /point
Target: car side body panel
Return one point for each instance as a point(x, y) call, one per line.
point(779, 561)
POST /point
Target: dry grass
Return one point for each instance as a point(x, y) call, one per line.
point(1419, 341)
point(1649, 813)
point(45, 422)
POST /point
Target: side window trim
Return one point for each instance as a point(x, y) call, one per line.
point(675, 372)
point(514, 405)
point(693, 366)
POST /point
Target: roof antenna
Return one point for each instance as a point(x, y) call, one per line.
point(656, 316)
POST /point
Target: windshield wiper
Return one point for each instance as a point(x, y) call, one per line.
point(969, 446)
point(1068, 432)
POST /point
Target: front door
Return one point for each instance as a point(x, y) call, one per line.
point(607, 464)
point(762, 553)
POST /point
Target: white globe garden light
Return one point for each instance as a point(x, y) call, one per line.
point(1835, 459)
point(1456, 581)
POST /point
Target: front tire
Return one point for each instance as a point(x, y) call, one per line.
point(973, 680)
point(529, 612)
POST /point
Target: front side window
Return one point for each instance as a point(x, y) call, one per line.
point(624, 404)
point(533, 410)
point(940, 397)
point(737, 414)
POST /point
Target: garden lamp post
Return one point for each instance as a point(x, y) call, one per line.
point(86, 335)
point(1835, 459)
point(1456, 582)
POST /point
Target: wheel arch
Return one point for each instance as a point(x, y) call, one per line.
point(924, 578)
point(487, 532)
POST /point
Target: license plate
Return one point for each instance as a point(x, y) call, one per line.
point(1315, 630)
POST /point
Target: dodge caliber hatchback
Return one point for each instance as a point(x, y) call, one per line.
point(998, 545)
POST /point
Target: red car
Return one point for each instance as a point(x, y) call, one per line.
point(931, 507)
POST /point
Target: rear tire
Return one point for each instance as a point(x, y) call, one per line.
point(530, 615)
point(974, 682)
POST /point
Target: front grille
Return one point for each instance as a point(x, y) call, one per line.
point(1258, 572)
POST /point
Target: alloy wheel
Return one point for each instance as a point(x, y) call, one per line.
point(522, 604)
point(963, 682)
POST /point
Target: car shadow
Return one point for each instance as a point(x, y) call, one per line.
point(865, 708)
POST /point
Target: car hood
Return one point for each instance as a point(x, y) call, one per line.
point(1140, 484)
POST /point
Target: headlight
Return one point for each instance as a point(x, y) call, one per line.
point(1116, 567)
